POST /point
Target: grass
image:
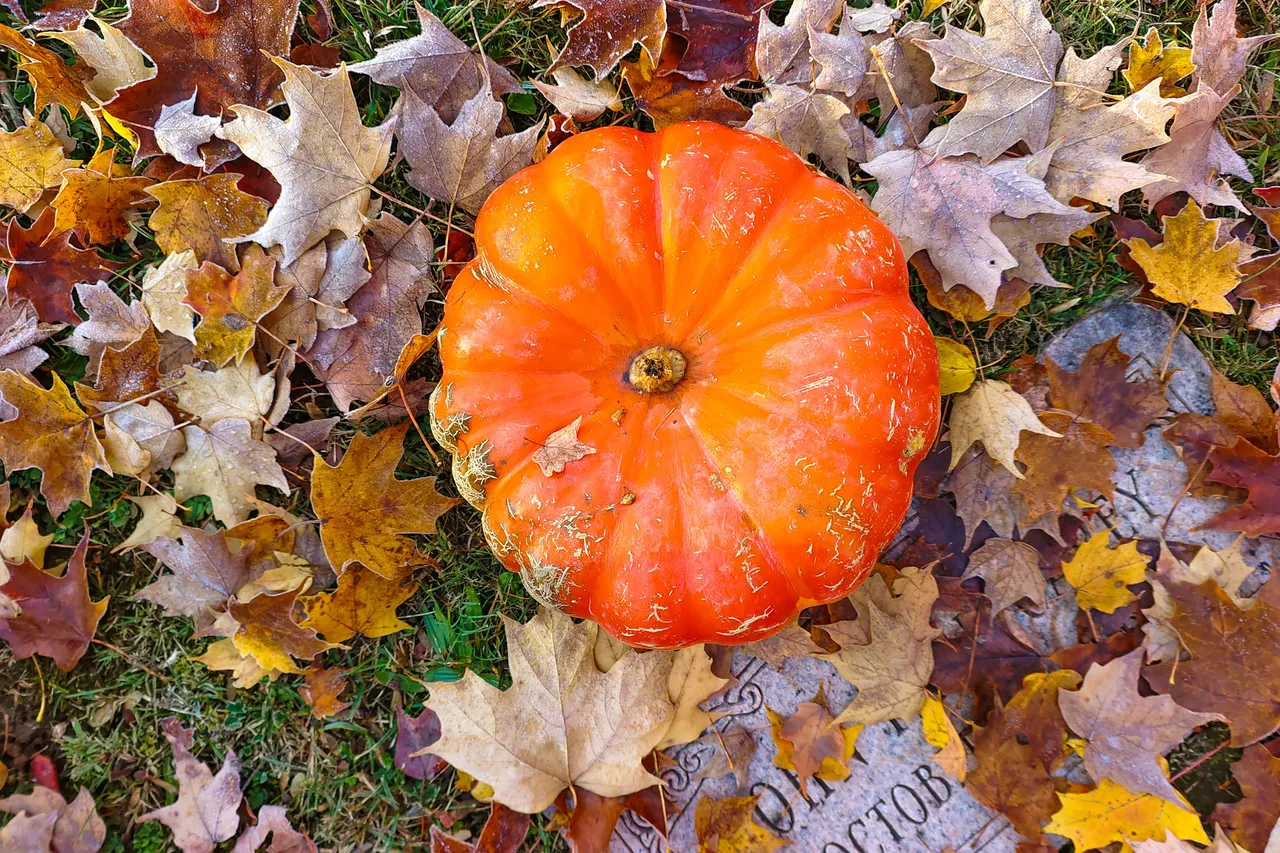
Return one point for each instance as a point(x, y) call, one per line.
point(101, 721)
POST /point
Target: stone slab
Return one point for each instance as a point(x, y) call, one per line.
point(895, 798)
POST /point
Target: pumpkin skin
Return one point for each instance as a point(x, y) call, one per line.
point(771, 474)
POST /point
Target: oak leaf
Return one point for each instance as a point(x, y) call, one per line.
point(77, 828)
point(1100, 391)
point(1125, 730)
point(32, 160)
point(206, 215)
point(1151, 59)
point(53, 434)
point(993, 413)
point(207, 569)
point(323, 156)
point(99, 202)
point(1244, 466)
point(562, 722)
point(1009, 75)
point(57, 618)
point(269, 634)
point(1250, 821)
point(226, 463)
point(1077, 458)
point(1010, 571)
point(207, 809)
point(1110, 813)
point(363, 508)
point(812, 743)
point(728, 826)
point(1189, 267)
point(45, 266)
point(222, 55)
point(364, 603)
point(1101, 574)
point(323, 691)
point(461, 163)
point(1225, 673)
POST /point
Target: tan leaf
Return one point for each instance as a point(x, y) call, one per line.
point(579, 98)
point(235, 391)
point(159, 520)
point(1197, 159)
point(226, 463)
point(23, 540)
point(561, 448)
point(207, 810)
point(106, 50)
point(691, 683)
point(807, 122)
point(1011, 571)
point(993, 413)
point(206, 215)
point(31, 161)
point(164, 295)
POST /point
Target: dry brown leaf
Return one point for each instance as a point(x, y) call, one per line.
point(1076, 459)
point(205, 215)
point(226, 463)
point(1010, 570)
point(207, 809)
point(1100, 391)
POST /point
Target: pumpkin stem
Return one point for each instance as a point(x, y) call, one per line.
point(657, 370)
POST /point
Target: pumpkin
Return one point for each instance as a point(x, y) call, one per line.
point(685, 382)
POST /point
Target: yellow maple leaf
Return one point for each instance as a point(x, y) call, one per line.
point(1110, 813)
point(1189, 268)
point(727, 826)
point(364, 603)
point(1150, 59)
point(957, 368)
point(31, 161)
point(1101, 574)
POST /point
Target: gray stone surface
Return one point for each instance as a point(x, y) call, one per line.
point(895, 798)
point(1144, 336)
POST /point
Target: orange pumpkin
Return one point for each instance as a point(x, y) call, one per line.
point(685, 382)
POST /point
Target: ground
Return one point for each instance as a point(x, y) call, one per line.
point(100, 722)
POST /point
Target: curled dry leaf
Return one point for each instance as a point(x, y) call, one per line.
point(561, 448)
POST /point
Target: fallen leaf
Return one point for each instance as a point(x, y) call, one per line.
point(29, 834)
point(46, 266)
point(561, 722)
point(207, 809)
point(1244, 466)
point(164, 295)
point(226, 463)
point(1101, 574)
point(1219, 55)
point(413, 736)
point(1100, 391)
point(22, 541)
point(813, 743)
point(77, 828)
point(608, 30)
point(116, 61)
point(727, 826)
point(206, 215)
point(561, 448)
point(1224, 674)
point(207, 569)
point(939, 732)
point(323, 156)
point(668, 96)
point(320, 283)
point(1076, 459)
point(223, 656)
point(1125, 730)
point(692, 682)
point(273, 821)
point(159, 521)
point(235, 391)
point(1188, 267)
point(791, 642)
point(983, 491)
point(957, 367)
point(269, 634)
point(993, 413)
point(99, 202)
point(1151, 59)
point(1110, 813)
point(21, 333)
point(579, 98)
point(231, 306)
point(54, 81)
point(31, 161)
point(322, 691)
point(180, 133)
point(363, 508)
point(364, 603)
point(112, 323)
point(592, 818)
point(1251, 821)
point(719, 39)
point(1197, 158)
point(1010, 571)
point(57, 618)
point(504, 832)
point(807, 122)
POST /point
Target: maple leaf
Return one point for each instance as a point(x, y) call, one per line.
point(791, 642)
point(231, 306)
point(561, 448)
point(579, 98)
point(57, 618)
point(98, 203)
point(783, 51)
point(364, 603)
point(116, 61)
point(21, 332)
point(164, 295)
point(355, 361)
point(111, 323)
point(268, 633)
point(206, 215)
point(53, 434)
point(274, 821)
point(592, 818)
point(363, 508)
point(842, 64)
point(1076, 459)
point(438, 68)
point(940, 732)
point(1008, 74)
point(221, 56)
point(888, 658)
point(207, 809)
point(1219, 55)
point(1010, 570)
point(32, 160)
point(126, 374)
point(1244, 466)
point(413, 736)
point(54, 81)
point(1101, 574)
point(728, 825)
point(207, 569)
point(807, 122)
point(1100, 391)
point(668, 96)
point(323, 156)
point(1197, 156)
point(1151, 59)
point(608, 30)
point(814, 743)
point(561, 722)
point(462, 162)
point(226, 463)
point(22, 541)
point(692, 682)
point(945, 206)
point(1225, 674)
point(235, 391)
point(323, 690)
point(993, 413)
point(223, 656)
point(321, 281)
point(983, 491)
point(504, 832)
point(76, 828)
point(1110, 813)
point(1018, 749)
point(957, 367)
point(1250, 821)
point(1125, 730)
point(1189, 267)
point(45, 266)
point(159, 521)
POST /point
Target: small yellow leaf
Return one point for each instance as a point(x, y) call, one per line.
point(931, 6)
point(1150, 59)
point(939, 731)
point(1187, 268)
point(1110, 813)
point(957, 367)
point(121, 129)
point(1101, 574)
